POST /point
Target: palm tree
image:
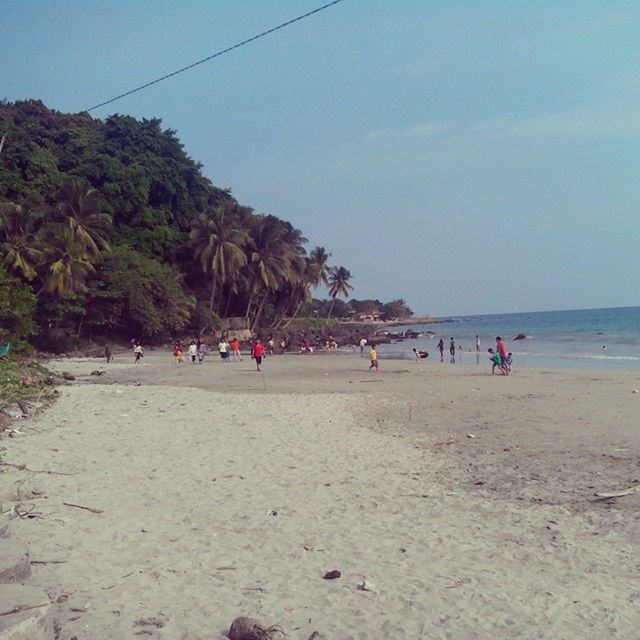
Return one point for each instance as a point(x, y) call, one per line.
point(317, 267)
point(293, 292)
point(219, 245)
point(18, 241)
point(66, 264)
point(269, 261)
point(79, 207)
point(338, 284)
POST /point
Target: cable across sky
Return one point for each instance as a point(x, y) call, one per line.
point(217, 54)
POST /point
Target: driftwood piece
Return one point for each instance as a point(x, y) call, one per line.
point(617, 494)
point(79, 506)
point(23, 467)
point(20, 608)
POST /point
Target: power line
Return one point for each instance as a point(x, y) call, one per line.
point(217, 54)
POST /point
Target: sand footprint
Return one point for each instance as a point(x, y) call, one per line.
point(149, 625)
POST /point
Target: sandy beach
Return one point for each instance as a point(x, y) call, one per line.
point(464, 501)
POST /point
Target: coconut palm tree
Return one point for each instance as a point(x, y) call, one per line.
point(338, 284)
point(79, 209)
point(293, 292)
point(318, 267)
point(66, 264)
point(269, 261)
point(220, 247)
point(19, 244)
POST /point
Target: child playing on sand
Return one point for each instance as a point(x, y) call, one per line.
point(420, 355)
point(509, 360)
point(373, 356)
point(137, 352)
point(107, 354)
point(235, 349)
point(496, 361)
point(178, 350)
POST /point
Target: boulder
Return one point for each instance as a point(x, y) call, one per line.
point(27, 613)
point(520, 336)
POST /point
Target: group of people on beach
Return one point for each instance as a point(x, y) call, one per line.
point(228, 349)
point(501, 359)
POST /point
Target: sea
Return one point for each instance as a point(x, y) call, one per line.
point(580, 338)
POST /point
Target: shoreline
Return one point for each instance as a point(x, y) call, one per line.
point(374, 474)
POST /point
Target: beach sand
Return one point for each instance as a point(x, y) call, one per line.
point(464, 500)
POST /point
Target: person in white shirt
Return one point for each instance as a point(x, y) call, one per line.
point(193, 351)
point(223, 348)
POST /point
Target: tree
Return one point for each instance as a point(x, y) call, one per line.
point(18, 241)
point(219, 245)
point(17, 305)
point(79, 208)
point(136, 296)
point(318, 267)
point(269, 261)
point(66, 264)
point(338, 284)
point(396, 309)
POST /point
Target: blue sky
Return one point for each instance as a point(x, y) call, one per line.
point(467, 157)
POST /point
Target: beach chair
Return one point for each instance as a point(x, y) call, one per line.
point(5, 349)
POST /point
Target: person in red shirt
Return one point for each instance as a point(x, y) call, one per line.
point(257, 352)
point(501, 348)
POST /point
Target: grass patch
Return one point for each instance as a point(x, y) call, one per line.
point(23, 380)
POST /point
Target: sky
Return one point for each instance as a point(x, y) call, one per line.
point(467, 157)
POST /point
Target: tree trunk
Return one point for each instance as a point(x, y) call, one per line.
point(213, 294)
point(259, 312)
point(331, 307)
point(249, 303)
point(293, 315)
point(226, 307)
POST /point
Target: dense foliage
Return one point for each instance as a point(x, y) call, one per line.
point(110, 228)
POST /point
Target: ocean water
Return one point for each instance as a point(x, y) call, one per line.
point(594, 338)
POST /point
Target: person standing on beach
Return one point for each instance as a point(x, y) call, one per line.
point(178, 350)
point(107, 354)
point(235, 349)
point(193, 351)
point(137, 352)
point(501, 348)
point(441, 349)
point(373, 357)
point(477, 343)
point(223, 348)
point(257, 353)
point(452, 349)
point(201, 350)
point(363, 342)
